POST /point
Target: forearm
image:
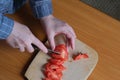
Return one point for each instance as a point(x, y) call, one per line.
point(41, 8)
point(6, 26)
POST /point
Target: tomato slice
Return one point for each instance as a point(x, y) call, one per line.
point(46, 79)
point(80, 56)
point(56, 61)
point(52, 75)
point(63, 52)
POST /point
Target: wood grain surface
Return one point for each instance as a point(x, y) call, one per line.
point(91, 26)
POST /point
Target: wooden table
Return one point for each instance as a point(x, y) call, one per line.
point(91, 26)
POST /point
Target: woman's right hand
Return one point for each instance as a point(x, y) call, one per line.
point(21, 37)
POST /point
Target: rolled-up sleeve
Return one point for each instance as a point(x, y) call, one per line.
point(6, 26)
point(41, 8)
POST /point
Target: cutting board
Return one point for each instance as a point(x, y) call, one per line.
point(76, 70)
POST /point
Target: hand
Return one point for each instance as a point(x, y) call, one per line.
point(21, 37)
point(54, 26)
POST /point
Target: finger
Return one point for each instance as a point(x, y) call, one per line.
point(11, 42)
point(29, 47)
point(73, 43)
point(66, 29)
point(20, 45)
point(21, 48)
point(71, 30)
point(40, 45)
point(51, 41)
point(71, 39)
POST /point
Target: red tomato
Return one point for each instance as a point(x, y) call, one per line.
point(80, 56)
point(54, 67)
point(53, 71)
point(63, 52)
point(56, 61)
point(47, 79)
point(52, 75)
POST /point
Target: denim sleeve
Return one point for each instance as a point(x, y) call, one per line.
point(41, 8)
point(6, 26)
point(17, 4)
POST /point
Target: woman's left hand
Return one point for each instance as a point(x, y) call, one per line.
point(54, 26)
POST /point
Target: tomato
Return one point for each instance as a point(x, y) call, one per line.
point(80, 56)
point(46, 79)
point(63, 52)
point(54, 67)
point(52, 76)
point(56, 61)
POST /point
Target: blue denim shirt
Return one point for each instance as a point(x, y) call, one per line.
point(40, 9)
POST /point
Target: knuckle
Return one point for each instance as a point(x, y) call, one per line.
point(65, 24)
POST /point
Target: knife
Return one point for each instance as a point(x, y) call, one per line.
point(49, 50)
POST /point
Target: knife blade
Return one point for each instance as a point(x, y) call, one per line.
point(51, 51)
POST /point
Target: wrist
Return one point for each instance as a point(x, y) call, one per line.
point(46, 18)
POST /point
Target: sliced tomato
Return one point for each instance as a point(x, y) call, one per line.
point(63, 52)
point(80, 56)
point(46, 79)
point(60, 74)
point(52, 76)
point(54, 71)
point(56, 61)
point(60, 69)
point(54, 67)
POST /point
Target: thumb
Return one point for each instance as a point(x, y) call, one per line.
point(51, 41)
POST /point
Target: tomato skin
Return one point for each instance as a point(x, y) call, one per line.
point(80, 56)
point(63, 52)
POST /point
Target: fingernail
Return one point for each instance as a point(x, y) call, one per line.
point(53, 48)
point(45, 51)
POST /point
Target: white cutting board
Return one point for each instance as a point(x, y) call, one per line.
point(76, 70)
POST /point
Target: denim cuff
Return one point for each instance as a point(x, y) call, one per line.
point(41, 8)
point(17, 4)
point(6, 26)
